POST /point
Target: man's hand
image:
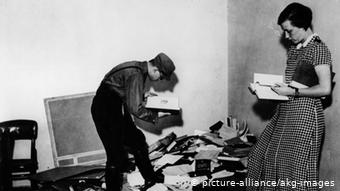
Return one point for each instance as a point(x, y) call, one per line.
point(149, 94)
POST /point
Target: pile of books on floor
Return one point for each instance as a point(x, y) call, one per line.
point(192, 162)
point(188, 162)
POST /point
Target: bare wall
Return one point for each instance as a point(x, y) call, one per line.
point(254, 47)
point(63, 47)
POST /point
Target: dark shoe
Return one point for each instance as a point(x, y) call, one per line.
point(147, 185)
point(159, 178)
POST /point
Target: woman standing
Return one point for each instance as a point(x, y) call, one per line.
point(286, 156)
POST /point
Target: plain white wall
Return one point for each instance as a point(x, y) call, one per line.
point(63, 47)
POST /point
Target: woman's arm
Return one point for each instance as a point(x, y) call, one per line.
point(322, 89)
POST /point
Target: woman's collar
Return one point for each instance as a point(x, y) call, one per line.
point(305, 43)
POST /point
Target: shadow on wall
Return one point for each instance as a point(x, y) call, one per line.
point(163, 85)
point(265, 109)
point(175, 119)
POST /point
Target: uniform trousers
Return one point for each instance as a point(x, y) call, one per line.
point(117, 131)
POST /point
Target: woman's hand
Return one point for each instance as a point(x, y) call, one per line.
point(283, 89)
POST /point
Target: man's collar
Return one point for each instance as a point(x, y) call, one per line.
point(304, 44)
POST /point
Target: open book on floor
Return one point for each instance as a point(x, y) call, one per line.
point(261, 86)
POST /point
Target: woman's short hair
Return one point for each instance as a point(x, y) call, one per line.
point(298, 14)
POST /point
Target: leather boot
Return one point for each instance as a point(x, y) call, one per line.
point(146, 169)
point(113, 179)
point(144, 165)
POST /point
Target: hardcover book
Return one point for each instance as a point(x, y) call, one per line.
point(160, 102)
point(261, 86)
point(304, 76)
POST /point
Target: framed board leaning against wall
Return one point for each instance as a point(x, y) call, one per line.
point(74, 138)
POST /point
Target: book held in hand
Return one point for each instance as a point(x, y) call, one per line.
point(163, 103)
point(261, 86)
point(304, 77)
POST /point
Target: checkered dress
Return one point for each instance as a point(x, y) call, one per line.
point(289, 147)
